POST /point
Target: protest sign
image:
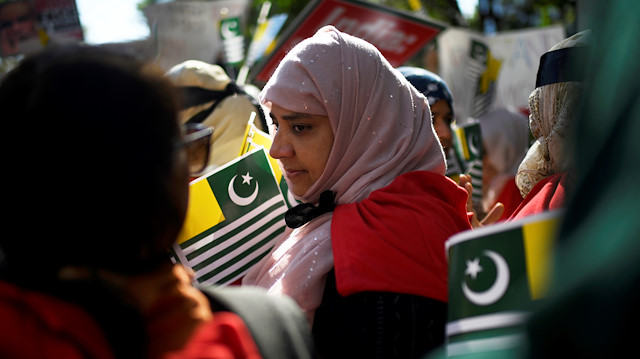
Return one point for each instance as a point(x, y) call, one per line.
point(190, 30)
point(484, 72)
point(398, 35)
point(27, 26)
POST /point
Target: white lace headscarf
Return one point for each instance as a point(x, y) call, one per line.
point(551, 110)
point(382, 129)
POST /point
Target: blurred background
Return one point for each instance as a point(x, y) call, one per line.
point(486, 50)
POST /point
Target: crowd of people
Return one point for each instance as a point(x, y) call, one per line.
point(367, 149)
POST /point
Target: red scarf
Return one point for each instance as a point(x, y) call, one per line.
point(510, 197)
point(546, 195)
point(393, 241)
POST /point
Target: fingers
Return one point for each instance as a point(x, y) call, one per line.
point(494, 214)
point(465, 182)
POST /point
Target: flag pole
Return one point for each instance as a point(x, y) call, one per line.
point(262, 18)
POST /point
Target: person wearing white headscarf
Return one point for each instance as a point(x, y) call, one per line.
point(505, 137)
point(545, 171)
point(371, 274)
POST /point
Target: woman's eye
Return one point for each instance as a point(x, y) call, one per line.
point(299, 128)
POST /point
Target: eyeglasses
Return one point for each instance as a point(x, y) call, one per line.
point(197, 143)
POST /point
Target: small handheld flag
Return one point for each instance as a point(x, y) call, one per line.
point(467, 143)
point(235, 214)
point(496, 274)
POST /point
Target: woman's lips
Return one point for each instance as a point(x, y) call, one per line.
point(291, 174)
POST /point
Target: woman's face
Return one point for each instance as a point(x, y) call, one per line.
point(302, 144)
point(442, 117)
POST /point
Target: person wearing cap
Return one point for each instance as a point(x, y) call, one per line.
point(363, 255)
point(545, 173)
point(212, 99)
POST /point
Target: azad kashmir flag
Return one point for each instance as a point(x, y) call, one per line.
point(497, 274)
point(468, 149)
point(254, 138)
point(235, 214)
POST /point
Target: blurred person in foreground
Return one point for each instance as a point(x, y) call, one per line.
point(97, 194)
point(592, 310)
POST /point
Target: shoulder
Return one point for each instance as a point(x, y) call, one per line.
point(276, 322)
point(421, 194)
point(29, 317)
point(546, 195)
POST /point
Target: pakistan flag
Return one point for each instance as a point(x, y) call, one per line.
point(496, 275)
point(234, 216)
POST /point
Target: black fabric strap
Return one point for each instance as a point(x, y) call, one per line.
point(563, 65)
point(303, 213)
point(193, 96)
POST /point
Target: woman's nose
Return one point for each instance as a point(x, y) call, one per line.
point(280, 147)
point(445, 135)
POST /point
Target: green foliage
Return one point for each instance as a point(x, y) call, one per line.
point(144, 3)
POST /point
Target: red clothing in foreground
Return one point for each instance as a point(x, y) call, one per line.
point(36, 325)
point(546, 195)
point(393, 241)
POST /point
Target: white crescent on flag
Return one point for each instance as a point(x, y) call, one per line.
point(228, 29)
point(473, 142)
point(497, 289)
point(241, 201)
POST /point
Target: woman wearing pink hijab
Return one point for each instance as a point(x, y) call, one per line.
point(364, 254)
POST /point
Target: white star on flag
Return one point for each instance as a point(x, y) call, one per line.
point(246, 179)
point(473, 268)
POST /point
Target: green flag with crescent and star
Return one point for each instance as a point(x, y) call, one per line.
point(496, 274)
point(235, 215)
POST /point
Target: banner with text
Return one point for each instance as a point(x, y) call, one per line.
point(398, 35)
point(190, 30)
point(27, 26)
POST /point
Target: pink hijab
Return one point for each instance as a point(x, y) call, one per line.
point(382, 129)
